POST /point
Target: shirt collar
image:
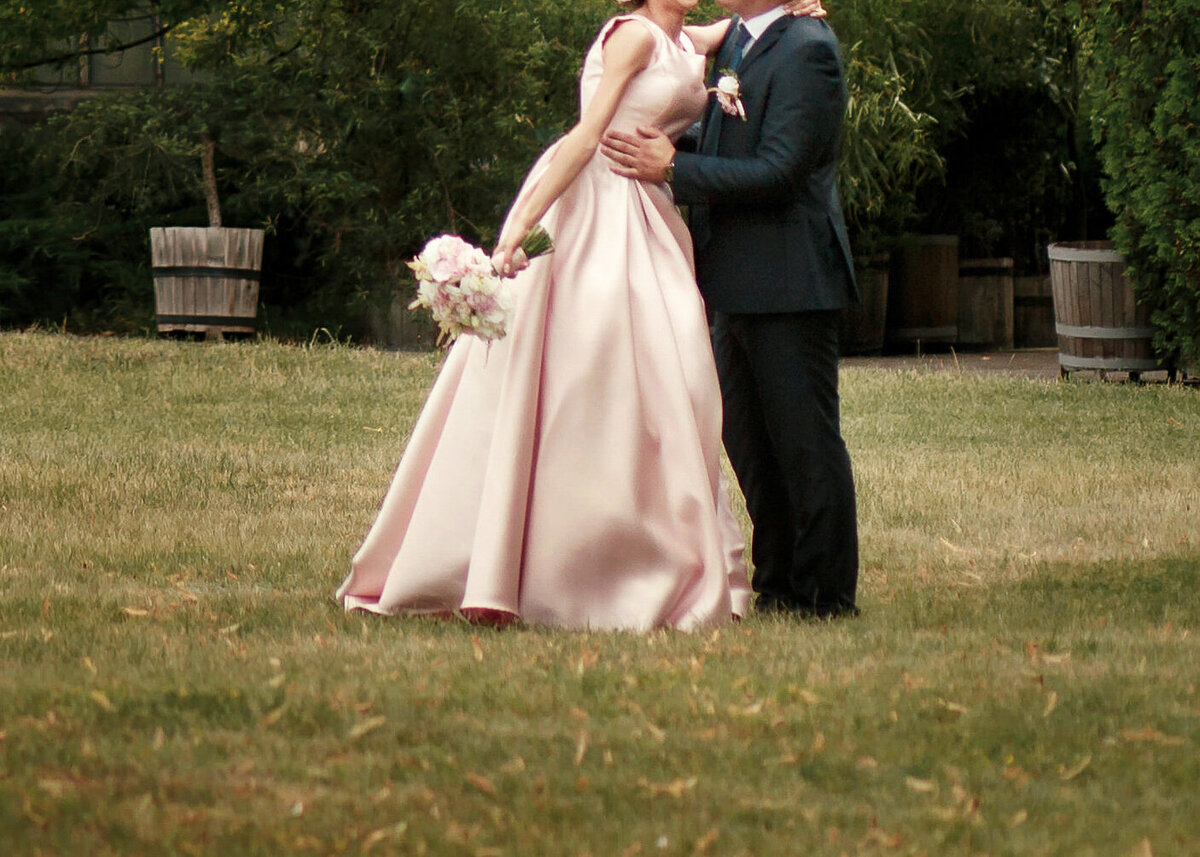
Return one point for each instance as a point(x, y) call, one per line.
point(759, 23)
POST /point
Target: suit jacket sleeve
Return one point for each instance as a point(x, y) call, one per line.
point(802, 115)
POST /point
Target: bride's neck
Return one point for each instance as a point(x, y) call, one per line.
point(670, 22)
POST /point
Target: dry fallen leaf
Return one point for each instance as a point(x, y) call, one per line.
point(272, 717)
point(749, 710)
point(586, 660)
point(883, 838)
point(1150, 734)
point(953, 548)
point(56, 788)
point(516, 765)
point(1076, 769)
point(364, 726)
point(953, 707)
point(376, 836)
point(1051, 703)
point(581, 745)
point(675, 788)
point(135, 612)
point(655, 733)
point(916, 785)
point(1018, 818)
point(477, 646)
point(99, 697)
point(482, 783)
point(705, 842)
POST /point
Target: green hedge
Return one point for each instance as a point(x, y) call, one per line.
point(999, 81)
point(349, 131)
point(1145, 62)
point(352, 131)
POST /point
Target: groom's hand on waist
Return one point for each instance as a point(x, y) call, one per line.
point(645, 155)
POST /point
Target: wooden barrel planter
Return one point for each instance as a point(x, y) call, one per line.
point(1099, 324)
point(985, 303)
point(864, 326)
point(206, 279)
point(1033, 313)
point(923, 292)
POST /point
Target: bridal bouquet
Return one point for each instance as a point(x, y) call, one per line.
point(462, 291)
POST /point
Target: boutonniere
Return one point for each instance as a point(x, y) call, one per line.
point(729, 93)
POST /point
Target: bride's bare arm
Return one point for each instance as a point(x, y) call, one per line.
point(707, 37)
point(626, 52)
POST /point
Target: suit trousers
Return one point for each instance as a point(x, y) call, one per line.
point(779, 385)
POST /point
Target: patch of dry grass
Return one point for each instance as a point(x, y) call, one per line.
point(176, 678)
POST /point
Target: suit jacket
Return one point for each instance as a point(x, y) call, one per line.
point(768, 224)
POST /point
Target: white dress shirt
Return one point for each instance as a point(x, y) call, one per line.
point(759, 23)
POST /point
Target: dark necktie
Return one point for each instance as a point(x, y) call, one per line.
point(733, 58)
point(712, 132)
point(740, 39)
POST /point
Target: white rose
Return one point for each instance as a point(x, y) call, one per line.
point(729, 85)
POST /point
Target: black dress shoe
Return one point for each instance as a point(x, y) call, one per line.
point(772, 605)
point(832, 611)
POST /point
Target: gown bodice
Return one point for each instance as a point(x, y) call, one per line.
point(668, 94)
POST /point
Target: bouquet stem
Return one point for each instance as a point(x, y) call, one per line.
point(537, 242)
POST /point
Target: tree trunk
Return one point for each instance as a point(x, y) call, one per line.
point(207, 160)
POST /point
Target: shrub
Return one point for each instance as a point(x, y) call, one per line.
point(1145, 66)
point(353, 131)
point(349, 131)
point(1000, 79)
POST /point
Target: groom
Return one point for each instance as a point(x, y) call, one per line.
point(773, 262)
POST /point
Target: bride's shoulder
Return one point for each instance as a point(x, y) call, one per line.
point(633, 39)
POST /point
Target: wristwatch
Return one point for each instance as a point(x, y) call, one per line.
point(669, 172)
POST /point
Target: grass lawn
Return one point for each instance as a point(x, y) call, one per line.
point(176, 678)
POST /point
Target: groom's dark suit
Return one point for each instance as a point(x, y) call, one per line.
point(773, 262)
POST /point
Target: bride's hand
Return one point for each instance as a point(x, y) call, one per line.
point(508, 259)
point(805, 9)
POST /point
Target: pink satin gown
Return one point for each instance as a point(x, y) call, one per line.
point(570, 473)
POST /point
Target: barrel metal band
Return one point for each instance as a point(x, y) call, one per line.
point(906, 333)
point(209, 320)
point(207, 273)
point(1111, 364)
point(1076, 331)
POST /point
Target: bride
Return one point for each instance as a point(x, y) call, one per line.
point(569, 475)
